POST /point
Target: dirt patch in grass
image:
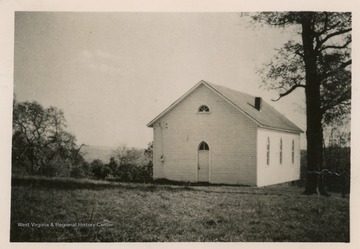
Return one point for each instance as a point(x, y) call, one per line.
point(149, 212)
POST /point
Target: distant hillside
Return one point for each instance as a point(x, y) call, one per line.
point(93, 152)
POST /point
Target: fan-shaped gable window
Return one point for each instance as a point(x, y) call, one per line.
point(203, 146)
point(203, 109)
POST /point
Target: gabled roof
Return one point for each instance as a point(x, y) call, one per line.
point(268, 117)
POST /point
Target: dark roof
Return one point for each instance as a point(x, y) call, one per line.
point(267, 117)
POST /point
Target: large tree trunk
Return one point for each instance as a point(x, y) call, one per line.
point(314, 133)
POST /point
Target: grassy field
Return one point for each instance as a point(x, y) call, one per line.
point(67, 210)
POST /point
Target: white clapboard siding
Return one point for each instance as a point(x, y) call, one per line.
point(230, 134)
point(275, 172)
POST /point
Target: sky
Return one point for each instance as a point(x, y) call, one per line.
point(112, 73)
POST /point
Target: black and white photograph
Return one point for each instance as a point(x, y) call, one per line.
point(180, 126)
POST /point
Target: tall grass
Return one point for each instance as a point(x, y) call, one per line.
point(151, 212)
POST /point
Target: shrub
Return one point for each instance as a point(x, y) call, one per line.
point(132, 165)
point(99, 170)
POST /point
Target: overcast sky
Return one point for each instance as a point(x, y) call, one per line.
point(112, 73)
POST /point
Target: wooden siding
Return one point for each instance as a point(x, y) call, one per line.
point(230, 135)
point(275, 172)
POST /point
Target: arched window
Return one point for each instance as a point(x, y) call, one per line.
point(281, 150)
point(203, 146)
point(203, 109)
point(268, 151)
point(293, 151)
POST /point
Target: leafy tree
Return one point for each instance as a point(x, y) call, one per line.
point(99, 169)
point(113, 166)
point(319, 62)
point(148, 152)
point(40, 143)
point(127, 160)
point(148, 169)
point(81, 170)
point(130, 164)
point(336, 148)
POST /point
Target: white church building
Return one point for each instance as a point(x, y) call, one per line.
point(218, 135)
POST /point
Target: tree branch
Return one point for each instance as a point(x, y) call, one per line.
point(336, 47)
point(340, 32)
point(333, 26)
point(344, 97)
point(326, 28)
point(326, 21)
point(342, 66)
point(318, 43)
point(288, 91)
point(298, 53)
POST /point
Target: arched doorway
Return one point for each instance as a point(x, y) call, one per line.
point(203, 162)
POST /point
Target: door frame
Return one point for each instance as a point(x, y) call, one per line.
point(197, 161)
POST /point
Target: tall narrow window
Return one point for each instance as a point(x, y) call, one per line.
point(293, 151)
point(281, 150)
point(268, 151)
point(203, 109)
